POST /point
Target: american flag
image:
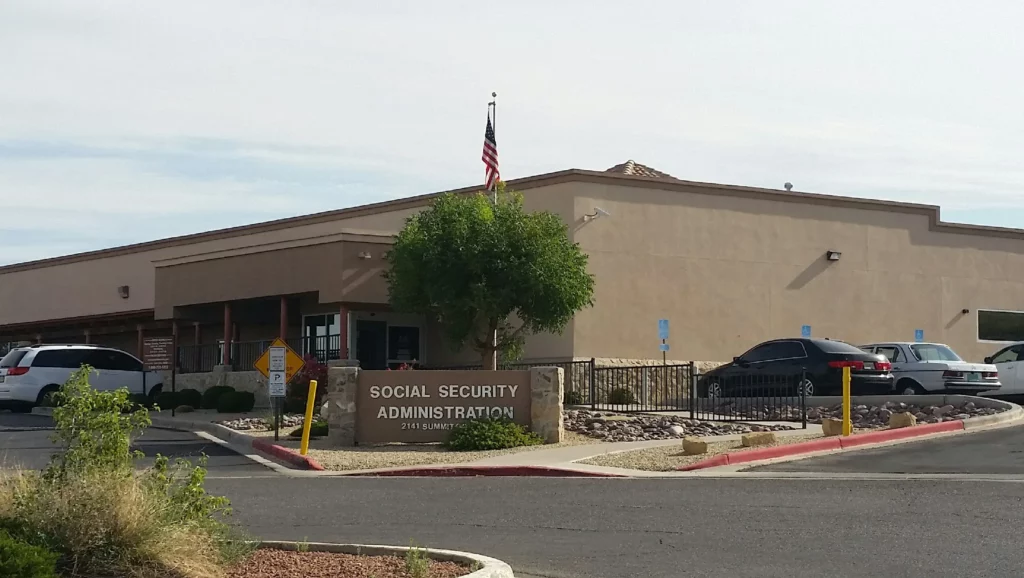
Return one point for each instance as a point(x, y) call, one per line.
point(490, 158)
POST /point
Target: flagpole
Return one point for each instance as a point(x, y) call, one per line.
point(493, 106)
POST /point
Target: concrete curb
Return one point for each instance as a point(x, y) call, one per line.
point(287, 455)
point(487, 567)
point(824, 445)
point(469, 471)
point(1015, 413)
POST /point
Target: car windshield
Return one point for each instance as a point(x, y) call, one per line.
point(932, 352)
point(12, 358)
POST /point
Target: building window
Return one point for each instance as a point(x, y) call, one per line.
point(321, 336)
point(1000, 325)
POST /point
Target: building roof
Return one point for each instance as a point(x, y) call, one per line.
point(629, 174)
point(633, 168)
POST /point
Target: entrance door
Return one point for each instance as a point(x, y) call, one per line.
point(372, 344)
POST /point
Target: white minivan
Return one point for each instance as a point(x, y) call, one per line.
point(29, 374)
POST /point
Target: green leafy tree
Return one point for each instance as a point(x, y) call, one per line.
point(490, 273)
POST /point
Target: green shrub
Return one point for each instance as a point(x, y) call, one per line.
point(184, 409)
point(236, 402)
point(137, 401)
point(100, 515)
point(317, 430)
point(210, 396)
point(621, 396)
point(19, 559)
point(190, 397)
point(572, 397)
point(168, 399)
point(490, 434)
point(247, 401)
point(294, 405)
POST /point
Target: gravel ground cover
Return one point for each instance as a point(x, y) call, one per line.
point(398, 455)
point(668, 458)
point(271, 563)
point(873, 416)
point(615, 427)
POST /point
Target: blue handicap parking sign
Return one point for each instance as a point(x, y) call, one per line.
point(805, 331)
point(919, 335)
point(663, 329)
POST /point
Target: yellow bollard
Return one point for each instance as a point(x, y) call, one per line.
point(847, 423)
point(308, 423)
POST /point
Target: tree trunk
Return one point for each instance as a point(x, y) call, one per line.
point(490, 353)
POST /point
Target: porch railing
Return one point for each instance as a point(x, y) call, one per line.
point(202, 358)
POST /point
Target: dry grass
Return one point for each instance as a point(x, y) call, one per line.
point(109, 525)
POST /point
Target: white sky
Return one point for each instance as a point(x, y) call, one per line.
point(128, 121)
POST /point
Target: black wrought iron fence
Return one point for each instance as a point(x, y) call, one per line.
point(324, 347)
point(578, 375)
point(758, 397)
point(198, 358)
point(642, 388)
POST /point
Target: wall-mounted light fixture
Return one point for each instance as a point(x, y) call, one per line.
point(598, 212)
point(365, 255)
point(833, 255)
point(965, 311)
point(123, 291)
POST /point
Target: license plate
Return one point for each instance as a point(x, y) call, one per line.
point(869, 365)
point(1, 379)
point(973, 377)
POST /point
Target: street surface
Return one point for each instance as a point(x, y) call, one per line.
point(607, 528)
point(25, 442)
point(999, 451)
point(660, 528)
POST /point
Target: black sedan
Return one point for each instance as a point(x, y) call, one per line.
point(784, 366)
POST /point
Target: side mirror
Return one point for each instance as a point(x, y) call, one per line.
point(736, 360)
point(988, 360)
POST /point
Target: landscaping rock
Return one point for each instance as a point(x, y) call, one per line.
point(863, 416)
point(755, 439)
point(898, 420)
point(694, 446)
point(832, 427)
point(618, 427)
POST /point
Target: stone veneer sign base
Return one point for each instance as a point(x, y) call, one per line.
point(373, 407)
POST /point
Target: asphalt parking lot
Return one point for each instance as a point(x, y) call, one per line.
point(998, 451)
point(25, 443)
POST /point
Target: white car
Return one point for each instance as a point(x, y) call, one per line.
point(1010, 361)
point(29, 374)
point(921, 368)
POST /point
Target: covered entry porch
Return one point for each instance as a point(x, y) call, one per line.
point(235, 334)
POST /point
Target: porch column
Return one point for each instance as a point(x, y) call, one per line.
point(283, 333)
point(138, 341)
point(343, 333)
point(198, 332)
point(87, 334)
point(226, 360)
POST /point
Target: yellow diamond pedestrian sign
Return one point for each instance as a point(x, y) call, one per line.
point(293, 361)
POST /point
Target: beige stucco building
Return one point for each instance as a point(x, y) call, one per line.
point(729, 266)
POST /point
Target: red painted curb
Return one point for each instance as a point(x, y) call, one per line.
point(900, 433)
point(719, 460)
point(287, 455)
point(807, 447)
point(828, 444)
point(507, 471)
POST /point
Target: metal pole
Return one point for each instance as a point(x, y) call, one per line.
point(174, 361)
point(493, 105)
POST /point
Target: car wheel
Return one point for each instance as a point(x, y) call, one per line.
point(155, 392)
point(806, 388)
point(907, 387)
point(714, 390)
point(45, 397)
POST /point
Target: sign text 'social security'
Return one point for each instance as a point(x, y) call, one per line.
point(422, 406)
point(450, 412)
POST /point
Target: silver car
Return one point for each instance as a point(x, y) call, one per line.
point(921, 368)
